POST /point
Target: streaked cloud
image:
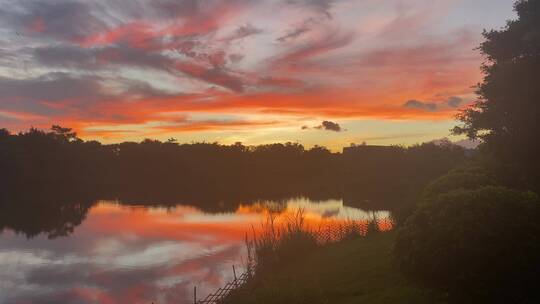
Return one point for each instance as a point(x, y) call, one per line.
point(92, 63)
point(452, 102)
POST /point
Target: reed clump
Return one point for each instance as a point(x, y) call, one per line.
point(279, 241)
point(283, 239)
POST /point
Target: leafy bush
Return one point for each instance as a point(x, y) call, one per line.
point(479, 245)
point(465, 177)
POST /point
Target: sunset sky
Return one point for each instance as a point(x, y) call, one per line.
point(255, 71)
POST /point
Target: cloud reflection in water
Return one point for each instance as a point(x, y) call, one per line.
point(123, 254)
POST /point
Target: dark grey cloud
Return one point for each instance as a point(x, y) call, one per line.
point(323, 6)
point(235, 57)
point(300, 29)
point(118, 11)
point(216, 75)
point(326, 126)
point(176, 8)
point(59, 93)
point(141, 89)
point(49, 94)
point(280, 82)
point(103, 57)
point(420, 105)
point(65, 24)
point(451, 102)
point(329, 126)
point(294, 33)
point(454, 101)
point(98, 57)
point(65, 56)
point(62, 20)
point(75, 20)
point(332, 40)
point(50, 87)
point(244, 31)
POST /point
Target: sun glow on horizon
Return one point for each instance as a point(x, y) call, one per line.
point(228, 71)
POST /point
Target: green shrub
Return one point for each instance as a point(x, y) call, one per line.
point(479, 245)
point(466, 177)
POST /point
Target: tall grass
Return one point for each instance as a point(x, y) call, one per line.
point(283, 239)
point(279, 242)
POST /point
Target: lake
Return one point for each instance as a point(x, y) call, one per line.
point(126, 253)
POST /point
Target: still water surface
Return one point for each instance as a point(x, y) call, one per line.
point(137, 254)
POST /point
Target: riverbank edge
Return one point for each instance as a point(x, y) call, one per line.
point(350, 271)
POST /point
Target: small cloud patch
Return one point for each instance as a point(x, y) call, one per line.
point(329, 126)
point(420, 105)
point(452, 102)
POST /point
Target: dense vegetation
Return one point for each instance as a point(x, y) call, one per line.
point(474, 244)
point(506, 116)
point(472, 235)
point(55, 170)
point(48, 159)
point(354, 271)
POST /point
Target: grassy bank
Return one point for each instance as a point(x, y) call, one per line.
point(354, 271)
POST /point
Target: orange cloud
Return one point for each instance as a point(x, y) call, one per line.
point(91, 72)
point(142, 33)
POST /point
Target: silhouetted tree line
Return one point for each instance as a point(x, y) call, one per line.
point(57, 166)
point(59, 160)
point(393, 176)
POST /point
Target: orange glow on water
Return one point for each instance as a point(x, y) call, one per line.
point(136, 254)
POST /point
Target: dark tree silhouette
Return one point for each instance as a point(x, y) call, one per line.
point(54, 164)
point(507, 114)
point(65, 134)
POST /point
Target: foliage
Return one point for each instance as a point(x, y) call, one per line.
point(359, 270)
point(394, 176)
point(480, 245)
point(37, 166)
point(279, 244)
point(463, 177)
point(285, 238)
point(168, 171)
point(506, 115)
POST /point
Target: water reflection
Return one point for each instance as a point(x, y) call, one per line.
point(138, 254)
